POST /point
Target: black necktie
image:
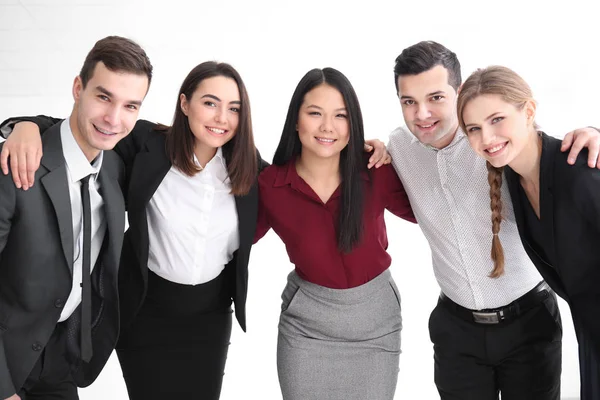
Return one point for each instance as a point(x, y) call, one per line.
point(86, 283)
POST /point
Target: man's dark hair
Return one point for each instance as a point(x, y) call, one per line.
point(118, 54)
point(422, 57)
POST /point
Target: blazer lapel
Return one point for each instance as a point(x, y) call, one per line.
point(547, 196)
point(56, 185)
point(114, 210)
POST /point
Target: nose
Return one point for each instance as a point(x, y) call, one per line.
point(112, 115)
point(220, 116)
point(423, 112)
point(487, 136)
point(326, 125)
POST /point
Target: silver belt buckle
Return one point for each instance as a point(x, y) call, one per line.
point(487, 317)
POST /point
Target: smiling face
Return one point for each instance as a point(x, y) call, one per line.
point(213, 112)
point(106, 110)
point(429, 106)
point(497, 130)
point(323, 126)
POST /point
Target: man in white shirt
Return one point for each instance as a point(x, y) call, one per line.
point(60, 241)
point(490, 335)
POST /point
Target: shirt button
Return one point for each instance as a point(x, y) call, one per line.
point(59, 303)
point(36, 346)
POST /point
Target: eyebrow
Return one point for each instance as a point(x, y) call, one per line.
point(110, 94)
point(428, 94)
point(212, 96)
point(486, 119)
point(320, 108)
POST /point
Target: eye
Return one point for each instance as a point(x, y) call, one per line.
point(210, 103)
point(408, 102)
point(472, 129)
point(132, 107)
point(437, 97)
point(315, 113)
point(235, 109)
point(103, 97)
point(497, 119)
point(344, 116)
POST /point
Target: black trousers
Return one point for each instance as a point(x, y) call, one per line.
point(589, 363)
point(51, 377)
point(177, 346)
point(520, 358)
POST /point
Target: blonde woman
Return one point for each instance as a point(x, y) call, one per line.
point(557, 206)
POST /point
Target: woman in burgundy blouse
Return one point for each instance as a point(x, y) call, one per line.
point(339, 331)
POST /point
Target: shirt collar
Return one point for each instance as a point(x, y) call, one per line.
point(77, 163)
point(287, 174)
point(217, 166)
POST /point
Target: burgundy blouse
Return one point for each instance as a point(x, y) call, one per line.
point(307, 226)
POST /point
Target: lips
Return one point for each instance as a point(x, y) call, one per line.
point(104, 132)
point(427, 126)
point(216, 131)
point(325, 140)
point(496, 148)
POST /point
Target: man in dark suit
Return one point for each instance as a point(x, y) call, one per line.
point(60, 241)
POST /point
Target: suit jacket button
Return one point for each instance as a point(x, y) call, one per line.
point(59, 303)
point(36, 346)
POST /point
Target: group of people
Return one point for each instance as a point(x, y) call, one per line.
point(197, 193)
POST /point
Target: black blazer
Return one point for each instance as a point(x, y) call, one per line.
point(36, 264)
point(570, 217)
point(144, 154)
point(145, 157)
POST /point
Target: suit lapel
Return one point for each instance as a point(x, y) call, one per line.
point(114, 208)
point(547, 196)
point(56, 185)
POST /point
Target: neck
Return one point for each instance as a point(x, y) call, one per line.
point(204, 153)
point(318, 168)
point(90, 152)
point(527, 162)
point(446, 139)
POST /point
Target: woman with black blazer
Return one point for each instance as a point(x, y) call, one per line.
point(192, 199)
point(557, 206)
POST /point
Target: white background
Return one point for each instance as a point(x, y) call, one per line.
point(554, 45)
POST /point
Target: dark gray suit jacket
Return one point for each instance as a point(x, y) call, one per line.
point(36, 263)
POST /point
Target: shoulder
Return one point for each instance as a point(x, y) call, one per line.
point(399, 135)
point(269, 174)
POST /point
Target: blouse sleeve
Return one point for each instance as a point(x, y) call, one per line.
point(395, 197)
point(262, 223)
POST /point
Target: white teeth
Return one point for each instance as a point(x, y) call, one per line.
point(217, 131)
point(325, 140)
point(496, 148)
point(427, 126)
point(103, 131)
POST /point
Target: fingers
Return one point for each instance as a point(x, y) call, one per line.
point(14, 167)
point(567, 141)
point(33, 164)
point(575, 150)
point(4, 159)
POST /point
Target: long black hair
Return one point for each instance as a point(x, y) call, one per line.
point(352, 161)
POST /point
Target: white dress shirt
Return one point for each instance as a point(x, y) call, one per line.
point(449, 195)
point(193, 224)
point(78, 167)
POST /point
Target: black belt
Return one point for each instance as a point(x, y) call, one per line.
point(503, 314)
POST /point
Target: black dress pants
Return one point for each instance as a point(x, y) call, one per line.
point(589, 363)
point(520, 358)
point(51, 377)
point(177, 346)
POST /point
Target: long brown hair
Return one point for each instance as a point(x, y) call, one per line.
point(239, 152)
point(513, 89)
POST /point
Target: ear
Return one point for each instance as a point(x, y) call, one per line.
point(77, 88)
point(459, 89)
point(183, 103)
point(530, 110)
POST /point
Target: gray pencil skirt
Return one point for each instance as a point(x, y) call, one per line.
point(339, 344)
